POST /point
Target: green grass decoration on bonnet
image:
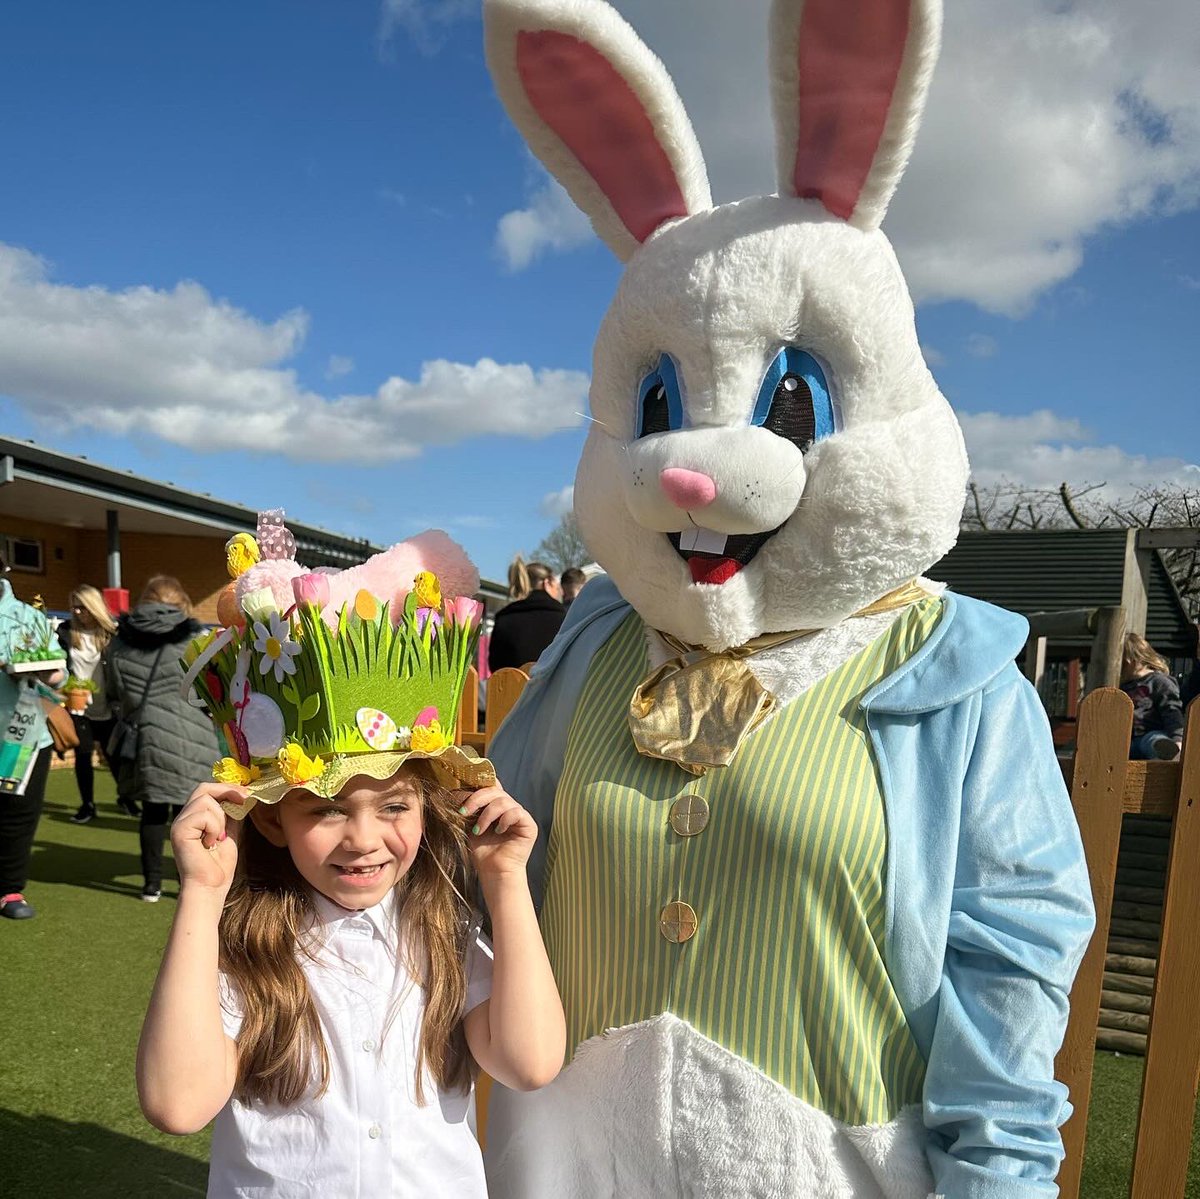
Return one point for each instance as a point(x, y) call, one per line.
point(316, 677)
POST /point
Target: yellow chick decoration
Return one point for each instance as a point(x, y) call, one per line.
point(429, 738)
point(297, 767)
point(241, 553)
point(230, 770)
point(428, 590)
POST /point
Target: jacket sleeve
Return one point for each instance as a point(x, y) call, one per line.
point(1165, 691)
point(1021, 917)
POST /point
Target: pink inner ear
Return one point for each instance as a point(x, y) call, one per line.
point(849, 58)
point(582, 97)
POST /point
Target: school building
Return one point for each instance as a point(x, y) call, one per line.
point(66, 520)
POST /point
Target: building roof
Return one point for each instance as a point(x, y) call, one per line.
point(1060, 569)
point(45, 485)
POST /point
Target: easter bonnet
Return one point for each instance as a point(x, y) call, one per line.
point(316, 677)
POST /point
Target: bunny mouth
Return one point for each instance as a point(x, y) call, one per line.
point(714, 558)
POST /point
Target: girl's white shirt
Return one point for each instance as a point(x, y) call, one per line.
point(366, 1136)
point(86, 661)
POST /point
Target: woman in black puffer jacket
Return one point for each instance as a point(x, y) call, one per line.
point(176, 745)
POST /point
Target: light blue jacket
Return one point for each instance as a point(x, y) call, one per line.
point(16, 618)
point(989, 907)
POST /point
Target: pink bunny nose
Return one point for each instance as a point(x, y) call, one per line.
point(687, 488)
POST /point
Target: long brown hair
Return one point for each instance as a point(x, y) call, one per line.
point(1139, 653)
point(263, 927)
point(166, 589)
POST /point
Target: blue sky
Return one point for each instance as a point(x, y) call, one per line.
point(233, 235)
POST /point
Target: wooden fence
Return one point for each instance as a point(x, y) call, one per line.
point(1104, 786)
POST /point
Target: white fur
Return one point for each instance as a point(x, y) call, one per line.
point(880, 500)
point(657, 1109)
point(602, 28)
point(904, 115)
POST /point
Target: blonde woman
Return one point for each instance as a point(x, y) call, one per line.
point(1157, 712)
point(85, 636)
point(528, 624)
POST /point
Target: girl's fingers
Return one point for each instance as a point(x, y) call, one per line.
point(491, 813)
point(476, 801)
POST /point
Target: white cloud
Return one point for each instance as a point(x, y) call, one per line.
point(981, 345)
point(558, 503)
point(933, 356)
point(195, 371)
point(1047, 123)
point(339, 365)
point(1042, 449)
point(425, 21)
point(550, 222)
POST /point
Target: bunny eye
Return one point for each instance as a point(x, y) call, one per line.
point(794, 400)
point(660, 404)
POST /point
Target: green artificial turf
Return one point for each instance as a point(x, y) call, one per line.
point(74, 983)
point(73, 986)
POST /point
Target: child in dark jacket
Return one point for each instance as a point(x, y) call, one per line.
point(1157, 712)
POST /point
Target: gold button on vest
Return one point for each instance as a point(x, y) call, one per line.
point(689, 815)
point(678, 922)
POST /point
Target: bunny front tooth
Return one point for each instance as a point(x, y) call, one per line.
point(702, 541)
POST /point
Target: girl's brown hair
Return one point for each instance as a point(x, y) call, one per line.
point(166, 589)
point(1140, 653)
point(264, 925)
point(92, 602)
point(524, 576)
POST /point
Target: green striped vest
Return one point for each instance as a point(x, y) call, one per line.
point(786, 879)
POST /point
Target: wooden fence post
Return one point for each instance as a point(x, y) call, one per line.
point(504, 689)
point(1097, 793)
point(1164, 1129)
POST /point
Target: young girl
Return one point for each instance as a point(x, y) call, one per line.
point(325, 993)
point(1157, 712)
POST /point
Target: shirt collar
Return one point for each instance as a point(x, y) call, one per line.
point(331, 916)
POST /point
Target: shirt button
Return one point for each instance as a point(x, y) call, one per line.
point(678, 922)
point(374, 1132)
point(368, 1045)
point(689, 815)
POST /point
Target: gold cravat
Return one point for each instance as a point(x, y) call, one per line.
point(697, 709)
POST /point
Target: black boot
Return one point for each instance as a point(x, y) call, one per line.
point(86, 812)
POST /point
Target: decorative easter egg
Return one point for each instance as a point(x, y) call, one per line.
point(229, 612)
point(262, 724)
point(378, 728)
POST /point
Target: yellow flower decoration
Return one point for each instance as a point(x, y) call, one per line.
point(297, 767)
point(241, 553)
point(230, 770)
point(428, 590)
point(429, 738)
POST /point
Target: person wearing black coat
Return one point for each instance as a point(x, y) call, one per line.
point(524, 628)
point(175, 743)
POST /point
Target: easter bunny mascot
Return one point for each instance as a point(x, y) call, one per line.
point(810, 880)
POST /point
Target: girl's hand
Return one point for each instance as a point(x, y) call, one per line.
point(205, 853)
point(500, 832)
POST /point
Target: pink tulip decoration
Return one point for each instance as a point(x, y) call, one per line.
point(311, 590)
point(465, 611)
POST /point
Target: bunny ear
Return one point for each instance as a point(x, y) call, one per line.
point(848, 82)
point(601, 113)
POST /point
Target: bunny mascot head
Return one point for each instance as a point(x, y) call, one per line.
point(813, 890)
point(769, 450)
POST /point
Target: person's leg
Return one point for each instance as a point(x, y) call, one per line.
point(155, 818)
point(83, 769)
point(19, 815)
point(1154, 745)
point(102, 730)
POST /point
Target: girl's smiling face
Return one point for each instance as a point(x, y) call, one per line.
point(352, 849)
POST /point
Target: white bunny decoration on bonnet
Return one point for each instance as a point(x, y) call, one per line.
point(813, 889)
